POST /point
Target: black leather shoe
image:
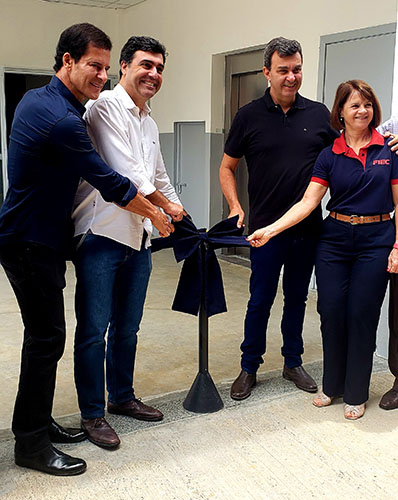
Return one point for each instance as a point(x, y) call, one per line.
point(52, 461)
point(136, 409)
point(390, 399)
point(59, 434)
point(242, 387)
point(300, 377)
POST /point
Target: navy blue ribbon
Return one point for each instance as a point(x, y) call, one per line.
point(191, 245)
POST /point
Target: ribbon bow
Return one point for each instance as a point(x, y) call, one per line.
point(201, 273)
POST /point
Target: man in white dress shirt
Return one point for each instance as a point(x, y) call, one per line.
point(112, 258)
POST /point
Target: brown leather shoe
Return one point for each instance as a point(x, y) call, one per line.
point(390, 399)
point(300, 377)
point(136, 409)
point(241, 388)
point(100, 433)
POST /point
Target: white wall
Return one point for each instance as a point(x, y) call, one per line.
point(192, 32)
point(30, 30)
point(195, 30)
point(394, 107)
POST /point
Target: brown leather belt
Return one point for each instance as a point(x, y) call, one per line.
point(360, 219)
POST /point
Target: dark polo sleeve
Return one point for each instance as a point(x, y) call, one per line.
point(235, 144)
point(321, 171)
point(72, 143)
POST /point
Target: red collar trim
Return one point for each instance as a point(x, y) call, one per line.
point(340, 146)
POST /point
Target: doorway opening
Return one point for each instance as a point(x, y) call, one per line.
point(244, 82)
point(13, 86)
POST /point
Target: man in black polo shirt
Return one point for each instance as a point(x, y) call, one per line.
point(280, 135)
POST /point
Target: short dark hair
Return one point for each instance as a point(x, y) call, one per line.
point(283, 46)
point(343, 92)
point(145, 43)
point(76, 40)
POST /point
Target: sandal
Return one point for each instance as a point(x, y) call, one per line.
point(322, 400)
point(353, 412)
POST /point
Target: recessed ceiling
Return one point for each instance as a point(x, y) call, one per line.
point(105, 4)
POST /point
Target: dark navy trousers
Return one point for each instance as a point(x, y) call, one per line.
point(37, 276)
point(294, 249)
point(351, 275)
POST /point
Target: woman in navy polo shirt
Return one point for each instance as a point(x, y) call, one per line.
point(358, 245)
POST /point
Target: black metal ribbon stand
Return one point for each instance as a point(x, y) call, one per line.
point(203, 396)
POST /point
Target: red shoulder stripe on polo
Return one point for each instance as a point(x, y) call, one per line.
point(318, 180)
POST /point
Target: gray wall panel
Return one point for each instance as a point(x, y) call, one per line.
point(214, 144)
point(191, 162)
point(216, 197)
point(167, 146)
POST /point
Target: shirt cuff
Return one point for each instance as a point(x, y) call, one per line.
point(131, 193)
point(146, 188)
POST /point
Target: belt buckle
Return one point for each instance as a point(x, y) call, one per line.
point(352, 220)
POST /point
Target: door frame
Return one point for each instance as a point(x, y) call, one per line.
point(238, 64)
point(177, 171)
point(177, 151)
point(345, 36)
point(3, 123)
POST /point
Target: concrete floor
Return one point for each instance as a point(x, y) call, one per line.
point(168, 340)
point(275, 445)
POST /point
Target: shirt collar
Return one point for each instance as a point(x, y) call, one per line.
point(65, 92)
point(299, 102)
point(340, 145)
point(129, 103)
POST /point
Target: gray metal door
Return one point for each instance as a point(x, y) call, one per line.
point(245, 88)
point(245, 82)
point(366, 54)
point(191, 181)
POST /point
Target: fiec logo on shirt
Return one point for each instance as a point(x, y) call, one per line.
point(381, 162)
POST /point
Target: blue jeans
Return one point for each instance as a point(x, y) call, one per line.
point(295, 250)
point(112, 281)
point(351, 275)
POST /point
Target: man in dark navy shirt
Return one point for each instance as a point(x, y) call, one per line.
point(280, 135)
point(49, 152)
